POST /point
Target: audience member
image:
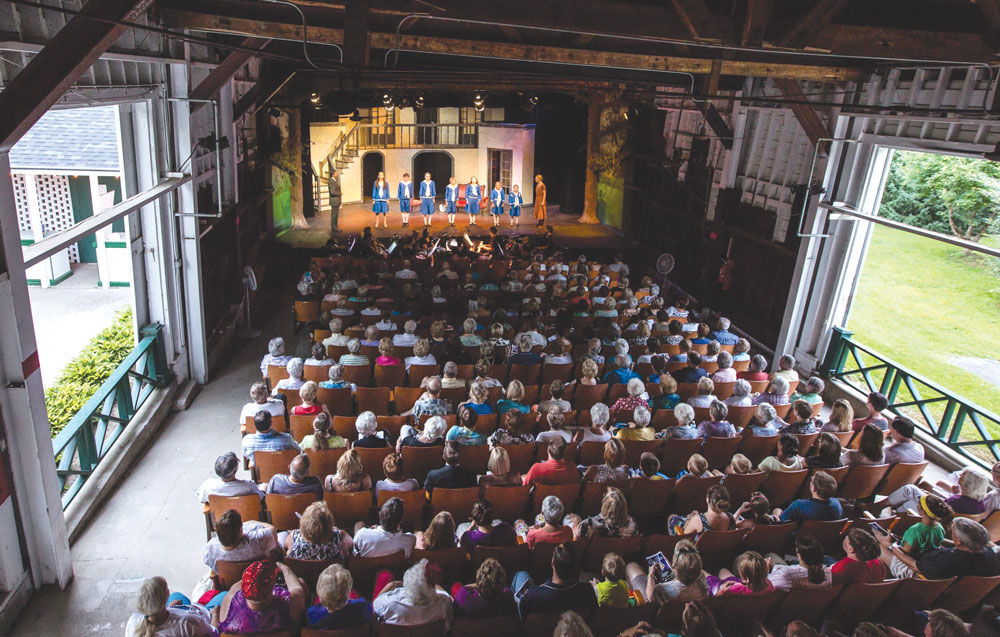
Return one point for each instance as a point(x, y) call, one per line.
point(484, 532)
point(821, 505)
point(266, 438)
point(452, 475)
point(318, 537)
point(337, 609)
point(350, 476)
point(414, 601)
point(261, 400)
point(366, 425)
point(162, 613)
point(385, 538)
point(226, 483)
point(876, 404)
point(488, 597)
point(861, 564)
point(869, 451)
point(239, 541)
point(563, 590)
point(257, 604)
point(297, 480)
point(903, 447)
point(394, 480)
point(555, 470)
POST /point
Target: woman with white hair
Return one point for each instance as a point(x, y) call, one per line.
point(336, 379)
point(725, 373)
point(686, 427)
point(354, 355)
point(337, 336)
point(741, 394)
point(717, 426)
point(765, 422)
point(414, 601)
point(551, 530)
point(371, 338)
point(600, 416)
point(367, 426)
point(972, 487)
point(336, 609)
point(813, 391)
point(469, 338)
point(432, 435)
point(295, 369)
point(408, 338)
point(165, 614)
point(638, 428)
point(275, 355)
point(706, 395)
point(636, 396)
point(776, 394)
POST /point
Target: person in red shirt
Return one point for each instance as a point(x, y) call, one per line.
point(862, 564)
point(876, 404)
point(552, 530)
point(309, 406)
point(555, 470)
point(757, 371)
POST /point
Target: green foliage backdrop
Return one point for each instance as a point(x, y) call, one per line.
point(87, 372)
point(947, 194)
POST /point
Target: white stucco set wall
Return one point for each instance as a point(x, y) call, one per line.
point(468, 162)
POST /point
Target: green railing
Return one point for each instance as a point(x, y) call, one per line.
point(88, 438)
point(961, 425)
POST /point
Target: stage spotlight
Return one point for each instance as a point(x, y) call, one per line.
point(533, 100)
point(418, 101)
point(387, 101)
point(478, 97)
point(314, 98)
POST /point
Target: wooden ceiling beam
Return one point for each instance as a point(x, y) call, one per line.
point(755, 21)
point(808, 27)
point(870, 42)
point(991, 16)
point(513, 51)
point(694, 16)
point(225, 71)
point(813, 125)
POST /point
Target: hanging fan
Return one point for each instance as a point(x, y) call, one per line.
point(664, 266)
point(249, 285)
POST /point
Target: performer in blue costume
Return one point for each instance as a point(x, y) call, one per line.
point(427, 194)
point(516, 201)
point(472, 196)
point(451, 200)
point(405, 194)
point(380, 200)
point(497, 198)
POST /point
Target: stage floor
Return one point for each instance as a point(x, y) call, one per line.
point(354, 217)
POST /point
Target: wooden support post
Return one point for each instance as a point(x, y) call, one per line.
point(356, 35)
point(755, 22)
point(808, 27)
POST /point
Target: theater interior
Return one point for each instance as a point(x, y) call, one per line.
point(693, 176)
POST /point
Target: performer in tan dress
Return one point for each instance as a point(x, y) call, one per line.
point(539, 200)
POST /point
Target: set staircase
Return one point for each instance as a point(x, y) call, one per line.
point(343, 155)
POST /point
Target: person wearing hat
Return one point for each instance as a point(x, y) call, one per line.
point(257, 605)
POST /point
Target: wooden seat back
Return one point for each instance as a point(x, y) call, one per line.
point(349, 508)
point(282, 509)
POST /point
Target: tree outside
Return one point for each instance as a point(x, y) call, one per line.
point(947, 194)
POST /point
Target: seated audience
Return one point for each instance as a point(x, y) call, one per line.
point(479, 397)
point(337, 609)
point(385, 538)
point(514, 399)
point(757, 371)
point(563, 590)
point(452, 475)
point(164, 614)
point(499, 473)
point(765, 422)
point(433, 434)
point(861, 564)
point(323, 436)
point(966, 499)
point(261, 400)
point(256, 604)
point(488, 597)
point(612, 521)
point(350, 476)
point(354, 355)
point(337, 338)
point(750, 577)
point(841, 415)
point(588, 372)
point(515, 429)
point(226, 484)
point(826, 452)
point(636, 390)
point(525, 355)
point(555, 470)
point(813, 390)
point(483, 531)
point(612, 590)
point(776, 394)
point(239, 541)
point(685, 427)
point(716, 517)
point(810, 572)
point(638, 428)
point(294, 380)
point(802, 421)
point(706, 390)
point(740, 396)
point(786, 369)
point(335, 376)
point(693, 372)
point(725, 373)
point(394, 480)
point(275, 355)
point(688, 584)
point(469, 337)
point(366, 425)
point(297, 480)
point(465, 430)
point(318, 537)
point(926, 535)
point(439, 535)
point(387, 353)
point(266, 438)
point(408, 338)
point(598, 430)
point(754, 512)
point(415, 600)
point(317, 356)
point(786, 457)
point(614, 468)
point(309, 406)
point(556, 421)
point(970, 555)
point(903, 447)
point(623, 373)
point(557, 389)
point(869, 451)
point(717, 426)
point(722, 333)
point(876, 404)
point(821, 505)
point(551, 529)
point(421, 354)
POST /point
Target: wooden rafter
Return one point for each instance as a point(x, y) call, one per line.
point(991, 15)
point(225, 71)
point(755, 21)
point(808, 27)
point(694, 16)
point(814, 127)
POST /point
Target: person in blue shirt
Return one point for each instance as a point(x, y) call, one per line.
point(336, 610)
point(722, 333)
point(515, 200)
point(496, 198)
point(821, 506)
point(405, 194)
point(451, 200)
point(427, 194)
point(624, 372)
point(473, 193)
point(693, 372)
point(380, 199)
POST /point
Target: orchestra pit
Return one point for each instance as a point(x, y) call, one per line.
point(490, 318)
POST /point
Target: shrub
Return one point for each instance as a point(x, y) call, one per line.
point(85, 374)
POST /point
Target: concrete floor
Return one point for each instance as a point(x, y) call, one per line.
point(152, 524)
point(68, 315)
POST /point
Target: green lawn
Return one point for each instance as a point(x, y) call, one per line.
point(921, 302)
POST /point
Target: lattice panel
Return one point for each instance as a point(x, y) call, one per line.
point(56, 207)
point(21, 203)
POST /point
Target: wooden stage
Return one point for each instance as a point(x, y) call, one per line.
point(355, 217)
